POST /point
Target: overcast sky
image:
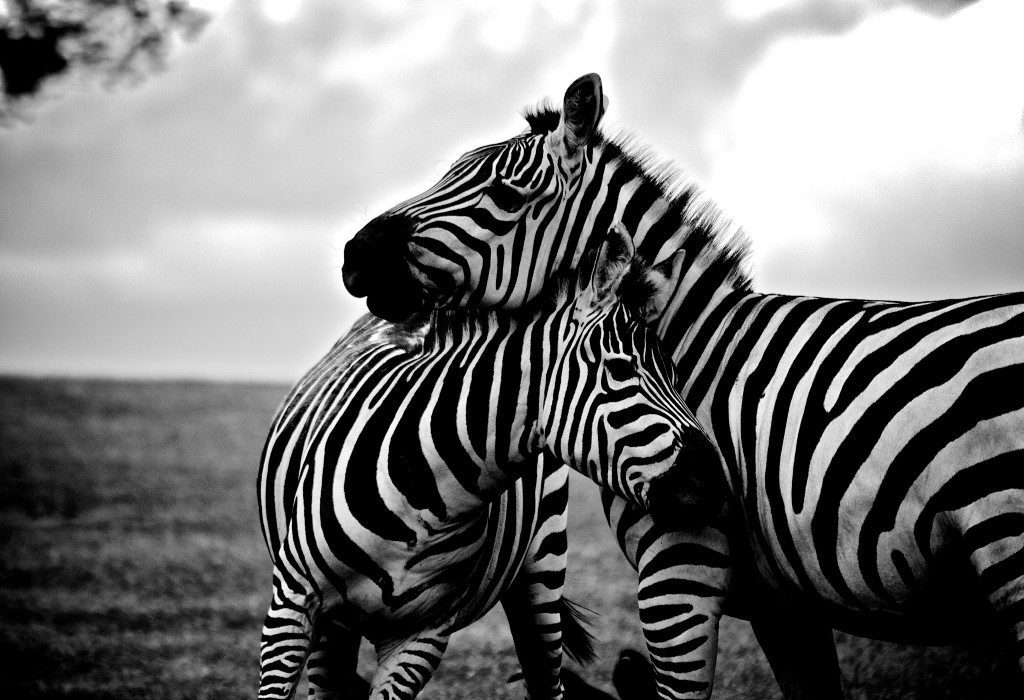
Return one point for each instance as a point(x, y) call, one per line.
point(193, 225)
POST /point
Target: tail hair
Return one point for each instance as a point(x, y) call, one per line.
point(577, 639)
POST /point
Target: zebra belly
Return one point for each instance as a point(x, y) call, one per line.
point(446, 581)
point(947, 607)
point(941, 616)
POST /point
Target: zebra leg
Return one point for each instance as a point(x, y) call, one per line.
point(287, 633)
point(683, 581)
point(997, 555)
point(531, 608)
point(405, 665)
point(801, 652)
point(543, 623)
point(533, 600)
point(331, 667)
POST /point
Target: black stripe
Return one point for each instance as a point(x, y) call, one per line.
point(995, 528)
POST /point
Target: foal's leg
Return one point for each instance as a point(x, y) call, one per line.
point(287, 633)
point(533, 614)
point(533, 602)
point(683, 580)
point(331, 667)
point(405, 665)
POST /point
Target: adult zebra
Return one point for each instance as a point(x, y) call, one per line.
point(385, 484)
point(872, 449)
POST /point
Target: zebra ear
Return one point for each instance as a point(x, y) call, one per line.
point(613, 261)
point(663, 278)
point(582, 108)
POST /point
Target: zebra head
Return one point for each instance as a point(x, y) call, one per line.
point(460, 242)
point(609, 404)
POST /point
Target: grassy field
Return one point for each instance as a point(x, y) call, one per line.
point(131, 563)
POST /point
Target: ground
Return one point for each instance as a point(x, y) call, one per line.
point(131, 562)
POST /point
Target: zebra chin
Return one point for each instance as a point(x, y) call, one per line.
point(394, 308)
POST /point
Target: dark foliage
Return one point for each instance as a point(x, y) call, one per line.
point(115, 38)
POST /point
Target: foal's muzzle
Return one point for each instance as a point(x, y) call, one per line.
point(693, 492)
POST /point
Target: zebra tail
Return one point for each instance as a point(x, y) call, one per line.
point(577, 639)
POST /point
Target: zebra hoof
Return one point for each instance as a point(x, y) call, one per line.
point(633, 676)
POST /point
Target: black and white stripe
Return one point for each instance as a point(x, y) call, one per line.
point(871, 448)
point(400, 492)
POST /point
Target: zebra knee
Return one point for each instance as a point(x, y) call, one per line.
point(332, 664)
point(404, 667)
point(1014, 614)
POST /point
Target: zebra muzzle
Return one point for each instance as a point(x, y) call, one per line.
point(375, 267)
point(692, 493)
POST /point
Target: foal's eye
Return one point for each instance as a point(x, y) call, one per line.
point(620, 369)
point(505, 197)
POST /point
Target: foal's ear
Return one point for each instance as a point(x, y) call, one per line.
point(613, 261)
point(663, 279)
point(582, 108)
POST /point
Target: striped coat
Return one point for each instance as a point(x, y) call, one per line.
point(400, 493)
point(870, 448)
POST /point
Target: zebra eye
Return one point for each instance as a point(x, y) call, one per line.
point(506, 197)
point(621, 369)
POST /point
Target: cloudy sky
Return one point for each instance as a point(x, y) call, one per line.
point(193, 225)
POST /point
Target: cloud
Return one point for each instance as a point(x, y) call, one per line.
point(887, 161)
point(676, 73)
point(193, 225)
point(292, 129)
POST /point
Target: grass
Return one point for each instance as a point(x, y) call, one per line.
point(131, 563)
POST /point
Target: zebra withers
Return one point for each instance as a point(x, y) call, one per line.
point(404, 438)
point(872, 449)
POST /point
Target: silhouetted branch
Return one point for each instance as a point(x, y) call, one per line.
point(42, 39)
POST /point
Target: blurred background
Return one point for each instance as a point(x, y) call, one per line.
point(177, 183)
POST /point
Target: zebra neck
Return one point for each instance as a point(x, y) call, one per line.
point(498, 363)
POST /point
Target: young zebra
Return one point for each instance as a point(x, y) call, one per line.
point(379, 483)
point(524, 543)
point(872, 449)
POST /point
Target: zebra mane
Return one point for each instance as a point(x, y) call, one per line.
point(447, 324)
point(542, 118)
point(714, 239)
